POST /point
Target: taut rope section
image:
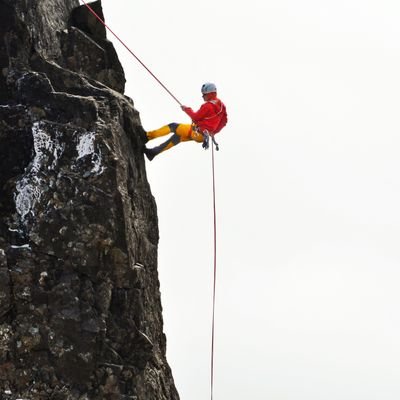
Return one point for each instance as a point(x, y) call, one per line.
point(130, 51)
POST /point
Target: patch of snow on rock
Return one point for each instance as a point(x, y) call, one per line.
point(47, 151)
point(85, 147)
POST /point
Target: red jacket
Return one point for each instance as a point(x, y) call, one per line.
point(210, 115)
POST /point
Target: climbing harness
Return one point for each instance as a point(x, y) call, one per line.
point(130, 51)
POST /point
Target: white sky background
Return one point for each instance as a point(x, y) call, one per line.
point(308, 192)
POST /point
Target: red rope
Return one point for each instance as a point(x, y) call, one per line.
point(215, 274)
point(130, 51)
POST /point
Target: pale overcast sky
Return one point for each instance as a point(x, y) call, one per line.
point(308, 192)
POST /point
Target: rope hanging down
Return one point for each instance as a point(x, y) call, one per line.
point(215, 273)
point(130, 51)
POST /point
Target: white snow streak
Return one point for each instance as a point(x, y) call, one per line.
point(85, 147)
point(29, 187)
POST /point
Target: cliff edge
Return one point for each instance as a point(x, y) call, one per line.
point(80, 309)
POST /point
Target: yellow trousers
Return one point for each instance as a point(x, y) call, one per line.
point(181, 133)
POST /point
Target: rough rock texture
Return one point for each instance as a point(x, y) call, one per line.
point(80, 310)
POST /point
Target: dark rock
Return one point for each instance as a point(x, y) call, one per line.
point(80, 310)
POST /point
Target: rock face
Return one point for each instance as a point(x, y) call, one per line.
point(80, 310)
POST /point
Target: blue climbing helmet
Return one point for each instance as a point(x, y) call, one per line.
point(208, 88)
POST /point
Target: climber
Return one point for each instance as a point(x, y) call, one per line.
point(207, 121)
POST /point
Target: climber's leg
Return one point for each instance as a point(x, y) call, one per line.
point(163, 131)
point(182, 133)
point(172, 141)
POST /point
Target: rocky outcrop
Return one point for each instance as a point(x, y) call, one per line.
point(80, 310)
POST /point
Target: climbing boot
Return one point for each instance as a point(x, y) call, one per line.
point(150, 153)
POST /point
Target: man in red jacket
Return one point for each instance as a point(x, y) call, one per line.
point(208, 120)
